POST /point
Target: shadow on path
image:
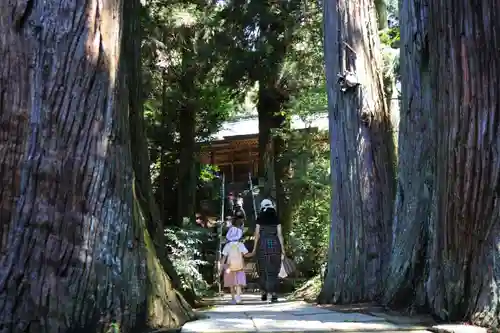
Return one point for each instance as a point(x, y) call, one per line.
point(254, 315)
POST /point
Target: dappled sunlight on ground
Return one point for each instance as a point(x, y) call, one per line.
point(287, 316)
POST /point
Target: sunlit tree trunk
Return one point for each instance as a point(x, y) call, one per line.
point(79, 253)
point(361, 155)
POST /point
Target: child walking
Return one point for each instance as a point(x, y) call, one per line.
point(232, 260)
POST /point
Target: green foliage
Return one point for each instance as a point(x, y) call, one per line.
point(277, 44)
point(184, 94)
point(183, 248)
point(392, 8)
point(390, 37)
point(113, 328)
point(183, 67)
point(211, 58)
point(310, 101)
point(207, 173)
point(309, 189)
point(303, 67)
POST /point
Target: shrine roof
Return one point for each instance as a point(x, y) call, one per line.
point(246, 128)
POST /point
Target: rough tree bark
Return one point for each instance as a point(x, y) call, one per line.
point(456, 213)
point(78, 245)
point(361, 158)
point(412, 225)
point(164, 303)
point(464, 59)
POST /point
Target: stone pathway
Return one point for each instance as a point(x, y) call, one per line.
point(284, 316)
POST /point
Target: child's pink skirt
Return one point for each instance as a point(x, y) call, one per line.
point(235, 279)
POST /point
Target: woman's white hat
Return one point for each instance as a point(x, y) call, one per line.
point(265, 204)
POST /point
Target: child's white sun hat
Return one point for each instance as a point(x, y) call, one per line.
point(234, 234)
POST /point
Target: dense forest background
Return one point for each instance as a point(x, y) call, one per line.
point(105, 105)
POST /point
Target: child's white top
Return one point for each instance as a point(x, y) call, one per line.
point(243, 249)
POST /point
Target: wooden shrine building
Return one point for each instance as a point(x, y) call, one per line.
point(235, 156)
point(235, 148)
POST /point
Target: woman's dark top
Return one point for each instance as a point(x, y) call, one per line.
point(269, 217)
point(268, 232)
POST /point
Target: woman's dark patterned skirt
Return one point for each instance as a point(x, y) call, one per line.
point(269, 263)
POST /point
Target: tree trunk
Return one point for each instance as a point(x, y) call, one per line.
point(186, 182)
point(161, 294)
point(79, 248)
point(466, 101)
point(361, 157)
point(139, 146)
point(412, 225)
point(381, 7)
point(165, 184)
point(167, 179)
point(452, 205)
point(265, 110)
point(269, 108)
point(282, 171)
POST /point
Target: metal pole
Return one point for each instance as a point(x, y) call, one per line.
point(219, 232)
point(253, 195)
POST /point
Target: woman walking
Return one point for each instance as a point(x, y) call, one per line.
point(270, 249)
